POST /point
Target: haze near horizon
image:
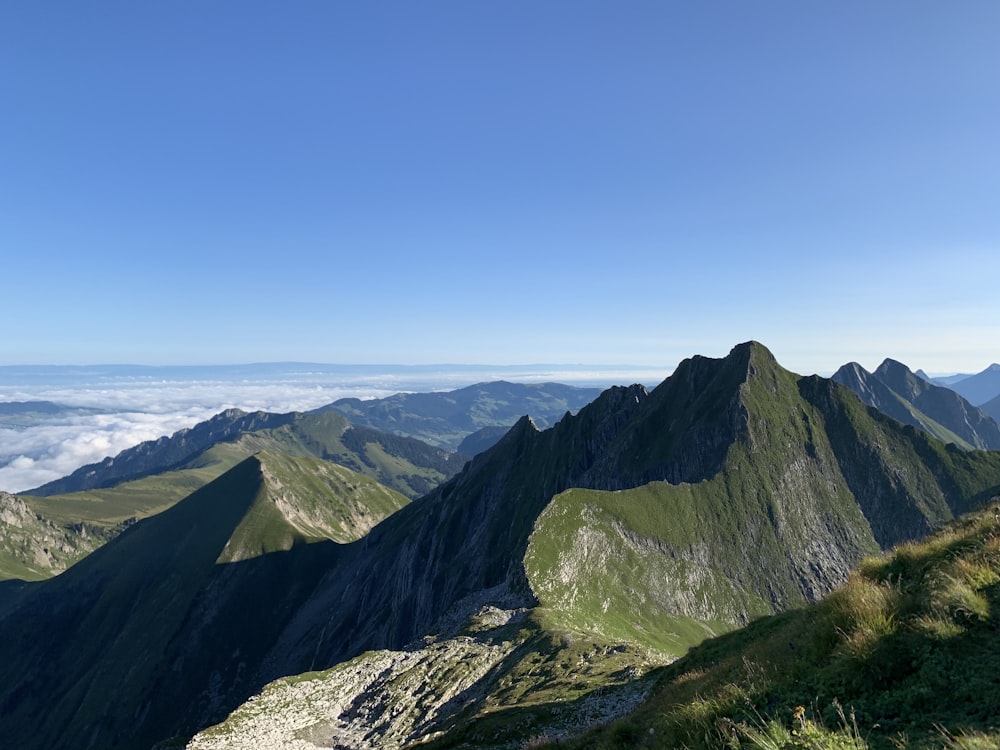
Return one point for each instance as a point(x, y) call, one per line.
point(501, 183)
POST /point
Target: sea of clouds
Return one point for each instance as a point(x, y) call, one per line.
point(110, 409)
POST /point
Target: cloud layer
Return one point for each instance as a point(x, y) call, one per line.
point(142, 405)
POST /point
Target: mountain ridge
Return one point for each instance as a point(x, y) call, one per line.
point(792, 479)
point(979, 387)
point(227, 542)
point(938, 410)
point(445, 418)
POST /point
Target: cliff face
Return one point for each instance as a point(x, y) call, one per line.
point(733, 489)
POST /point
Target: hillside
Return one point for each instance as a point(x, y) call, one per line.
point(903, 655)
point(992, 408)
point(174, 610)
point(33, 547)
point(446, 418)
point(894, 390)
point(733, 490)
point(162, 454)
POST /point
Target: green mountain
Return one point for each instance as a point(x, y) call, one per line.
point(733, 490)
point(406, 464)
point(536, 589)
point(33, 547)
point(894, 390)
point(163, 454)
point(444, 419)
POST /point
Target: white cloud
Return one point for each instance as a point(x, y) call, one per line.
point(134, 409)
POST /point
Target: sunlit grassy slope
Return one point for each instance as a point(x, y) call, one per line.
point(906, 654)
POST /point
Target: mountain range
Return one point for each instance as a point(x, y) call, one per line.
point(940, 411)
point(979, 388)
point(536, 591)
point(449, 418)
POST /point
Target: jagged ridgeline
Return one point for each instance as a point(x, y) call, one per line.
point(631, 530)
point(894, 390)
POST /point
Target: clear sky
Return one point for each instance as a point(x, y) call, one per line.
point(192, 182)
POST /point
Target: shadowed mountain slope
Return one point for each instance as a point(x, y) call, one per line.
point(992, 408)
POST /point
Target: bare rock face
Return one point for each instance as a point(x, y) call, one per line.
point(390, 699)
point(381, 699)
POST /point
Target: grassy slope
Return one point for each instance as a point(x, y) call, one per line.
point(308, 500)
point(779, 521)
point(908, 648)
point(33, 547)
point(941, 404)
point(880, 395)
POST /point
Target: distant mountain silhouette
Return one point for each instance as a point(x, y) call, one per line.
point(896, 391)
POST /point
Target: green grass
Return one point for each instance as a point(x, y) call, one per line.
point(904, 655)
point(305, 499)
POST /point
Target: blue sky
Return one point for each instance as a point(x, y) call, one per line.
point(500, 182)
